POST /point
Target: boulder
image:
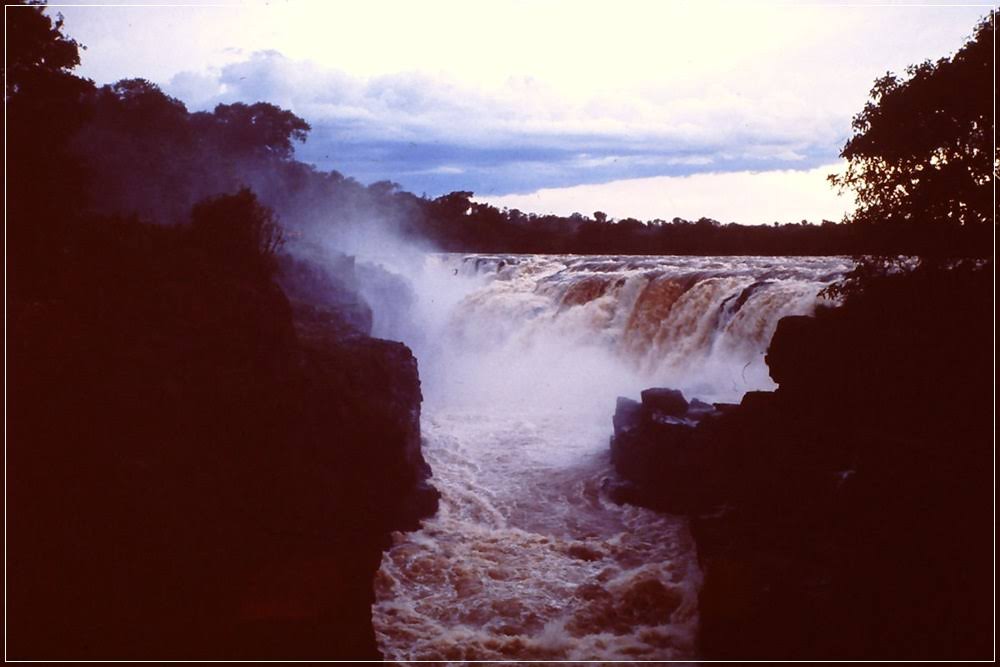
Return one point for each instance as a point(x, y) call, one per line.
point(628, 415)
point(661, 457)
point(667, 402)
point(791, 346)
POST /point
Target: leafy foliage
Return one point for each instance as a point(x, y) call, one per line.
point(237, 229)
point(260, 127)
point(37, 50)
point(922, 152)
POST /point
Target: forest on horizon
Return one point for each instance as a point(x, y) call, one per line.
point(128, 150)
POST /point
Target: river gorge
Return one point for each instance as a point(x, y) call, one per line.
point(521, 359)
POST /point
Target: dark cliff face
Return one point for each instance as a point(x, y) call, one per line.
point(846, 515)
point(196, 467)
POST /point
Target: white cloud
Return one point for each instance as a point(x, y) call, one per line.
point(422, 107)
point(745, 197)
point(570, 91)
point(581, 50)
point(446, 169)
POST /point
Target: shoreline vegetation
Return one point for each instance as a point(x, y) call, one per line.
point(208, 452)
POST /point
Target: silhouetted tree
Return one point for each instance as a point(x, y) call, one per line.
point(46, 183)
point(141, 105)
point(455, 204)
point(37, 51)
point(238, 230)
point(261, 127)
point(922, 150)
point(384, 188)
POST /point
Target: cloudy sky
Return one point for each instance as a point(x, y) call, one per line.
point(650, 109)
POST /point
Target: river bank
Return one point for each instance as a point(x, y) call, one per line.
point(201, 467)
point(846, 515)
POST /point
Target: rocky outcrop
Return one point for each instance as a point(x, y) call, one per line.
point(354, 475)
point(324, 290)
point(664, 459)
point(847, 514)
point(199, 468)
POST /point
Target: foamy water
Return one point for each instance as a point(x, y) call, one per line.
point(527, 559)
point(522, 358)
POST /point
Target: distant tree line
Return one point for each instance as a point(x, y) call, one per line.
point(484, 227)
point(920, 160)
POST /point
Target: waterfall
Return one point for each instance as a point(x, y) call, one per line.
point(521, 357)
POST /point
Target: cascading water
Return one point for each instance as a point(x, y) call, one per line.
point(522, 358)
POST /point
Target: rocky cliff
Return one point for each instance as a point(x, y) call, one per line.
point(846, 515)
point(197, 466)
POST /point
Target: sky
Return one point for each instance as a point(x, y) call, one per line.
point(735, 111)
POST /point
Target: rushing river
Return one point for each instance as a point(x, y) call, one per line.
point(521, 359)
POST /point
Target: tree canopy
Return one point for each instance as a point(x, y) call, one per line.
point(922, 153)
point(37, 50)
point(238, 231)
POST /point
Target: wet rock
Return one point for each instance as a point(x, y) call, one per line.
point(664, 462)
point(208, 478)
point(628, 415)
point(788, 358)
point(668, 402)
point(698, 408)
point(325, 294)
point(847, 514)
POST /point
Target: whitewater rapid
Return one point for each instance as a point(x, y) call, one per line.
point(521, 359)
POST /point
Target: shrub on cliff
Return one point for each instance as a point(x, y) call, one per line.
point(238, 231)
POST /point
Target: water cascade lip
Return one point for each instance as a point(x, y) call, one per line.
point(521, 358)
point(532, 328)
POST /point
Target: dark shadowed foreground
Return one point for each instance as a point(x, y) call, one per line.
point(200, 463)
point(846, 515)
point(198, 466)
